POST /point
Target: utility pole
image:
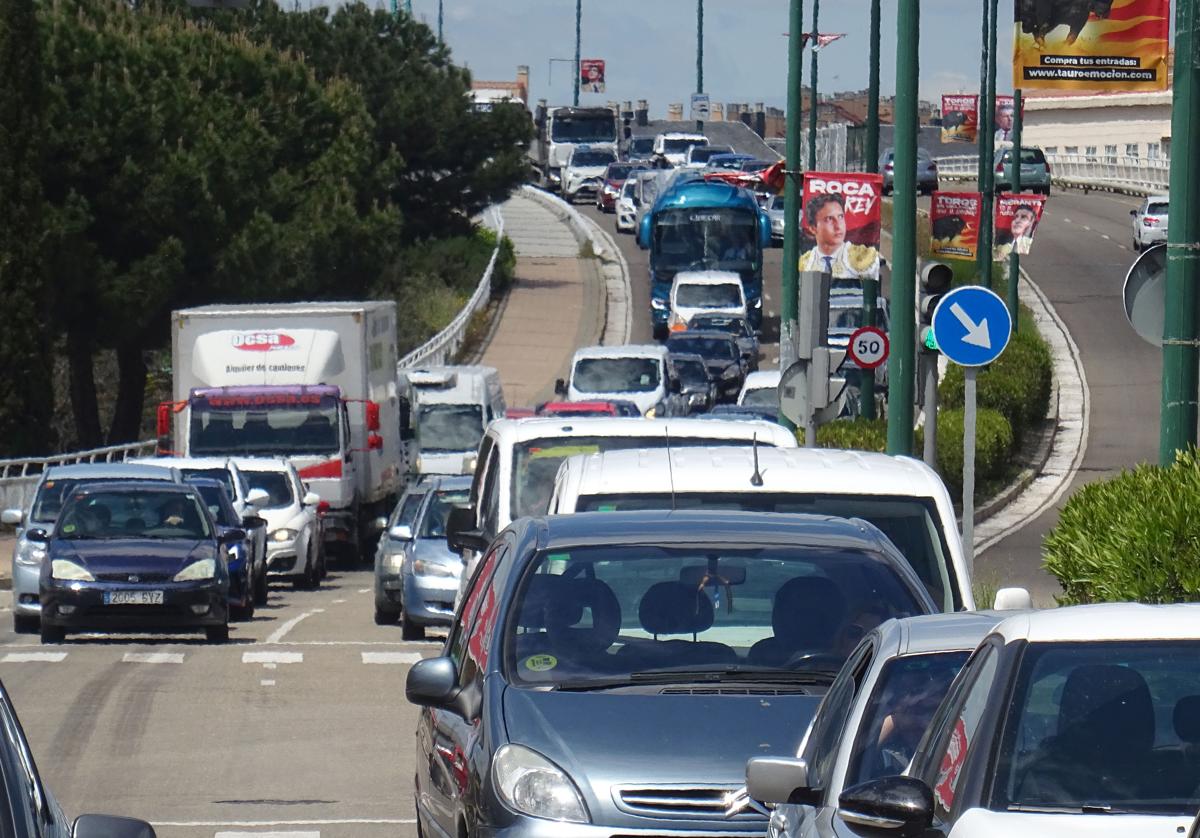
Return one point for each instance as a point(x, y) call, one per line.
point(789, 309)
point(980, 141)
point(987, 132)
point(902, 367)
point(871, 286)
point(1014, 259)
point(1181, 355)
point(700, 56)
point(440, 41)
point(814, 107)
point(578, 29)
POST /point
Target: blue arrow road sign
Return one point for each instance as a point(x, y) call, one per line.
point(972, 326)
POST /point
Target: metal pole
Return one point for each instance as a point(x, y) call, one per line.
point(440, 41)
point(700, 56)
point(1014, 259)
point(578, 28)
point(866, 388)
point(789, 308)
point(814, 105)
point(901, 367)
point(968, 504)
point(1181, 356)
point(988, 112)
point(872, 152)
point(929, 359)
point(980, 142)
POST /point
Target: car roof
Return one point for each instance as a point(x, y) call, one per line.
point(141, 470)
point(1111, 621)
point(210, 482)
point(711, 334)
point(262, 463)
point(940, 632)
point(707, 278)
point(1158, 199)
point(133, 486)
point(633, 350)
point(761, 379)
point(188, 462)
point(676, 357)
point(711, 469)
point(513, 431)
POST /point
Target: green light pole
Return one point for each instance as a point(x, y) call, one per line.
point(789, 310)
point(440, 41)
point(987, 131)
point(578, 29)
point(871, 286)
point(700, 55)
point(902, 367)
point(1014, 260)
point(980, 141)
point(813, 103)
point(1181, 355)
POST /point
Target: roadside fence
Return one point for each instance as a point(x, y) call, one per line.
point(1135, 175)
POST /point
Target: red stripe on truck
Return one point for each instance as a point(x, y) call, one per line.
point(330, 468)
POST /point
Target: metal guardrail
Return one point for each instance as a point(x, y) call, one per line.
point(1138, 175)
point(18, 477)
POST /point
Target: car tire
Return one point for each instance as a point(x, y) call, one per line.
point(410, 630)
point(217, 634)
point(25, 625)
point(1137, 246)
point(386, 618)
point(310, 580)
point(53, 634)
point(261, 589)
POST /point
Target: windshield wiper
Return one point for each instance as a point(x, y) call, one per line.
point(721, 673)
point(1081, 809)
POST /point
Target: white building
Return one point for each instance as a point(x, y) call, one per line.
point(1100, 125)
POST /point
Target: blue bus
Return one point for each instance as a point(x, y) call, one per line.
point(699, 225)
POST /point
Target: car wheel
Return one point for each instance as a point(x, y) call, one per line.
point(25, 625)
point(261, 592)
point(217, 634)
point(1137, 246)
point(410, 630)
point(386, 618)
point(53, 634)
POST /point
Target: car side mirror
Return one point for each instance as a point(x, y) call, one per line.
point(779, 780)
point(401, 532)
point(461, 531)
point(257, 497)
point(38, 535)
point(311, 499)
point(643, 233)
point(894, 805)
point(12, 517)
point(110, 826)
point(764, 230)
point(1012, 599)
point(1132, 212)
point(253, 522)
point(434, 683)
point(560, 387)
point(232, 535)
point(379, 524)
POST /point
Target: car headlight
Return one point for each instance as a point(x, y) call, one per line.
point(651, 413)
point(393, 562)
point(660, 305)
point(424, 567)
point(757, 303)
point(203, 569)
point(529, 783)
point(284, 534)
point(30, 553)
point(70, 572)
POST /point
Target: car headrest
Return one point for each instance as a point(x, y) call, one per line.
point(545, 605)
point(588, 619)
point(675, 608)
point(808, 611)
point(1106, 707)
point(1187, 719)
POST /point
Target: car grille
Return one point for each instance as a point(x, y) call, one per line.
point(681, 802)
point(137, 578)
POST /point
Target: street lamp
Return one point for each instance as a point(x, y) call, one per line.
point(578, 26)
point(813, 102)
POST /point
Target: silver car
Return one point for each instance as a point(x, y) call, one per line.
point(868, 724)
point(416, 574)
point(55, 484)
point(1150, 222)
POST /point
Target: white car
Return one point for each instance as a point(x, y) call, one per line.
point(583, 175)
point(627, 207)
point(1150, 222)
point(673, 145)
point(1079, 721)
point(639, 374)
point(698, 155)
point(294, 544)
point(705, 292)
point(761, 390)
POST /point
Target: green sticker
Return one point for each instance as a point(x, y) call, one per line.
point(69, 528)
point(540, 663)
point(606, 507)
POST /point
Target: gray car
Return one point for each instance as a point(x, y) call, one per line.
point(927, 171)
point(416, 575)
point(609, 673)
point(870, 721)
point(55, 483)
point(1035, 170)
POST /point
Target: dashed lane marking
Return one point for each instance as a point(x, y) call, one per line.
point(267, 824)
point(34, 657)
point(338, 601)
point(268, 835)
point(282, 631)
point(391, 657)
point(152, 657)
point(1105, 236)
point(272, 657)
point(364, 590)
point(266, 682)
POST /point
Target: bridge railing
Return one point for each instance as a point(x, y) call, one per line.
point(1138, 175)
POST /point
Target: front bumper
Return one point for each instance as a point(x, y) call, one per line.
point(626, 221)
point(429, 600)
point(26, 580)
point(80, 605)
point(283, 558)
point(527, 827)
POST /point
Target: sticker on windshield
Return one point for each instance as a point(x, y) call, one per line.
point(69, 528)
point(540, 663)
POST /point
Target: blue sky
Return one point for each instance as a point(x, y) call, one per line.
point(650, 46)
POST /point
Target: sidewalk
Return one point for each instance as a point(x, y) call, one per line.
point(555, 304)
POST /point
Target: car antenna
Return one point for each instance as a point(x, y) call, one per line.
point(670, 467)
point(756, 479)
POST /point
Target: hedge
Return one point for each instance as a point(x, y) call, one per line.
point(1134, 537)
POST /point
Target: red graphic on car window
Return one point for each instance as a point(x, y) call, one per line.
point(952, 763)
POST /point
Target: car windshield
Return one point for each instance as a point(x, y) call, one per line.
point(126, 514)
point(433, 525)
point(1158, 209)
point(627, 188)
point(449, 427)
point(583, 129)
point(701, 154)
point(761, 397)
point(723, 295)
point(592, 158)
point(907, 693)
point(713, 349)
point(222, 474)
point(692, 373)
point(285, 431)
point(405, 513)
point(1103, 724)
point(608, 616)
point(705, 238)
point(616, 375)
point(217, 502)
point(277, 486)
point(50, 497)
point(675, 146)
point(912, 524)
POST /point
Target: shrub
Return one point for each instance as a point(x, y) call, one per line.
point(993, 443)
point(1132, 537)
point(852, 434)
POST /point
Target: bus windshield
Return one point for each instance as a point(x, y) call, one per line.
point(705, 239)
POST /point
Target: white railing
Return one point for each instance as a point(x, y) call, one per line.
point(442, 347)
point(18, 477)
point(1140, 175)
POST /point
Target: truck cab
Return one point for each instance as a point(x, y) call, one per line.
point(444, 411)
point(559, 130)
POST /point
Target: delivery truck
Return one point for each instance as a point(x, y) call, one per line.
point(312, 382)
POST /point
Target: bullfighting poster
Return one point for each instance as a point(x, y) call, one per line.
point(954, 220)
point(1103, 45)
point(960, 117)
point(840, 224)
point(1017, 218)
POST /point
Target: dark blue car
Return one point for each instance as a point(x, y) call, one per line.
point(242, 581)
point(135, 556)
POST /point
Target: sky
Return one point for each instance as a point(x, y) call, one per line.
point(650, 46)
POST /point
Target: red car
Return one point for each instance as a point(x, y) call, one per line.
point(614, 407)
point(614, 178)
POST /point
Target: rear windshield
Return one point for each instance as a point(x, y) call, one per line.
point(275, 484)
point(727, 295)
point(221, 474)
point(1158, 209)
point(1028, 156)
point(675, 146)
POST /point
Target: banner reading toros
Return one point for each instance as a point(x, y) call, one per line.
point(1107, 45)
point(1017, 218)
point(954, 220)
point(960, 117)
point(840, 224)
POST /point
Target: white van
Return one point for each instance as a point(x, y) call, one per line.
point(638, 374)
point(444, 410)
point(705, 292)
point(902, 496)
point(673, 145)
point(761, 389)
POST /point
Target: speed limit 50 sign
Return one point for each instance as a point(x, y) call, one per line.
point(868, 347)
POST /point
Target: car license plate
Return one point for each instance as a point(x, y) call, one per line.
point(133, 597)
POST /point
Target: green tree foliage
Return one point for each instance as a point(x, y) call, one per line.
point(25, 396)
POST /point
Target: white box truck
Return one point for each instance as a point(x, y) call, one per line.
point(312, 382)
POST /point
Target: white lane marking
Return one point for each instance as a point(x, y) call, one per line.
point(390, 657)
point(260, 824)
point(152, 657)
point(1105, 236)
point(268, 835)
point(408, 643)
point(272, 657)
point(270, 666)
point(1067, 220)
point(364, 590)
point(266, 682)
point(340, 601)
point(282, 631)
point(34, 657)
point(768, 297)
point(1089, 229)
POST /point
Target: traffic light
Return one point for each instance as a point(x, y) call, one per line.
point(936, 278)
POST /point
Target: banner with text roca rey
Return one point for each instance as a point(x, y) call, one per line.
point(839, 224)
point(1017, 218)
point(954, 219)
point(1103, 45)
point(960, 117)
